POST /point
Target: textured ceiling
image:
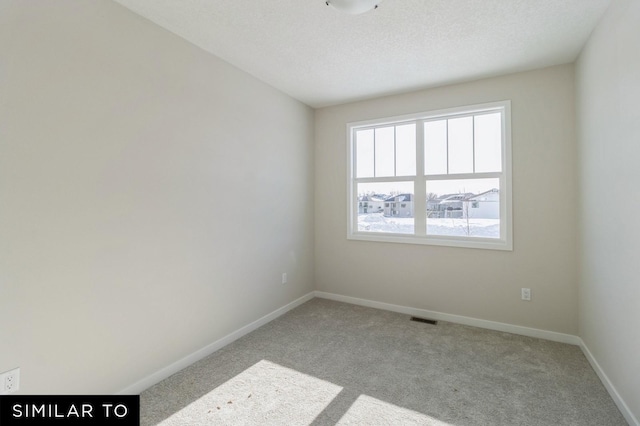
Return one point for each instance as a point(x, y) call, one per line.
point(323, 57)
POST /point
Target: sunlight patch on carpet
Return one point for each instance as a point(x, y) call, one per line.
point(263, 394)
point(370, 411)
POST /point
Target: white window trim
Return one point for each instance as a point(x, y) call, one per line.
point(505, 242)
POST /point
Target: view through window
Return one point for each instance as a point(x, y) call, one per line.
point(433, 178)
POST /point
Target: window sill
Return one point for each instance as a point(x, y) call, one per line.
point(461, 242)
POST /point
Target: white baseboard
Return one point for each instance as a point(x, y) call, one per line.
point(458, 319)
point(169, 370)
point(622, 406)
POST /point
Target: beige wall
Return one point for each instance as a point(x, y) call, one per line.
point(482, 284)
point(151, 196)
point(608, 91)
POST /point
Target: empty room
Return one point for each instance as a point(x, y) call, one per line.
point(311, 212)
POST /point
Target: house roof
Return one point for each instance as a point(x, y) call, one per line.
point(456, 197)
point(491, 191)
point(374, 198)
point(400, 198)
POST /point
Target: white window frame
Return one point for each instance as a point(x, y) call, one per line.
point(505, 242)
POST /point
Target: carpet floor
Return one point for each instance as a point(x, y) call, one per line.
point(328, 363)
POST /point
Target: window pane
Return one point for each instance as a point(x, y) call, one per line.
point(464, 208)
point(386, 207)
point(406, 150)
point(385, 152)
point(435, 147)
point(364, 153)
point(461, 145)
point(488, 142)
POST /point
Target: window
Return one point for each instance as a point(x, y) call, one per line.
point(444, 177)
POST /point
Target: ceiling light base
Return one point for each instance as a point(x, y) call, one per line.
point(353, 7)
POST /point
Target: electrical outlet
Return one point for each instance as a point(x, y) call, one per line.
point(284, 278)
point(526, 294)
point(10, 381)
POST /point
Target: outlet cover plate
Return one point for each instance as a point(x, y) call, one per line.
point(10, 381)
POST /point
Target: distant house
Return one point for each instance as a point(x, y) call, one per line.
point(447, 205)
point(485, 205)
point(399, 206)
point(371, 203)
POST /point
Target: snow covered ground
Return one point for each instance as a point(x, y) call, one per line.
point(376, 222)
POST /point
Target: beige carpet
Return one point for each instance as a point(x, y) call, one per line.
point(328, 363)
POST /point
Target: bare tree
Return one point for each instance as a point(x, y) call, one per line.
point(466, 216)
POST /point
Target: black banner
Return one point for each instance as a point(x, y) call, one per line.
point(63, 410)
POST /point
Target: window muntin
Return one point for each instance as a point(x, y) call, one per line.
point(431, 159)
point(471, 144)
point(384, 143)
point(487, 142)
point(435, 149)
point(460, 145)
point(405, 137)
point(386, 151)
point(365, 153)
